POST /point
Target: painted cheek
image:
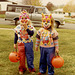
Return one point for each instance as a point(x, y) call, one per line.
point(22, 21)
point(26, 21)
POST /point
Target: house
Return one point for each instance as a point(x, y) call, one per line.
point(58, 11)
point(3, 6)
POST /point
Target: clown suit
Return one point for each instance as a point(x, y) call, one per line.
point(23, 38)
point(47, 37)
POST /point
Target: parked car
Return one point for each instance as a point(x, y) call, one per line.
point(72, 16)
point(13, 12)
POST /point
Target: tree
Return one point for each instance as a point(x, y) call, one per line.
point(50, 6)
point(69, 7)
point(26, 2)
point(36, 2)
point(31, 2)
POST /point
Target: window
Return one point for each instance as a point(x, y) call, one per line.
point(18, 9)
point(63, 12)
point(11, 8)
point(39, 10)
point(55, 12)
point(27, 9)
point(60, 12)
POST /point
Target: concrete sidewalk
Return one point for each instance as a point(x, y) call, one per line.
point(7, 28)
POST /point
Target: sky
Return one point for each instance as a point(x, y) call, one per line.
point(55, 2)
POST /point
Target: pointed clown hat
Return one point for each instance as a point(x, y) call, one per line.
point(24, 17)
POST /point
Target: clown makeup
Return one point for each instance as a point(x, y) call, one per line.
point(24, 18)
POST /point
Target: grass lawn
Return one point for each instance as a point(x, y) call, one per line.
point(7, 26)
point(66, 50)
point(2, 15)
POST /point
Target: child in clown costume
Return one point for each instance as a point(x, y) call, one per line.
point(23, 35)
point(47, 37)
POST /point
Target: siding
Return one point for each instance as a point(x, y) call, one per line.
point(3, 5)
point(2, 12)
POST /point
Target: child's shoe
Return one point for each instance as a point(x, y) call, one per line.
point(39, 73)
point(24, 70)
point(20, 72)
point(32, 72)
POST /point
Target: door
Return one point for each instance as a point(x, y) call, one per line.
point(37, 15)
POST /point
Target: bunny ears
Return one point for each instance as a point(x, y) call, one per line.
point(46, 16)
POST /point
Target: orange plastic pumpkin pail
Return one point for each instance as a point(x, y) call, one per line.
point(57, 61)
point(14, 57)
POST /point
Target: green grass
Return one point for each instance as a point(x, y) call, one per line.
point(66, 50)
point(10, 26)
point(7, 26)
point(2, 15)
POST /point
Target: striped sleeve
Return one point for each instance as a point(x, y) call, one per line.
point(55, 39)
point(38, 37)
point(37, 42)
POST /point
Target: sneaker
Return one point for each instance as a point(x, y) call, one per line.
point(32, 72)
point(25, 69)
point(39, 73)
point(20, 72)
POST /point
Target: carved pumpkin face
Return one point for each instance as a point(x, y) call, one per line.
point(57, 61)
point(14, 57)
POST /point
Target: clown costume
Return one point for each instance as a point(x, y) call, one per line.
point(23, 38)
point(47, 37)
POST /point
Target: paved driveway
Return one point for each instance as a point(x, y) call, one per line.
point(2, 21)
point(66, 26)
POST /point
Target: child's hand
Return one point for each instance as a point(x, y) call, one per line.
point(15, 46)
point(36, 48)
point(25, 26)
point(57, 51)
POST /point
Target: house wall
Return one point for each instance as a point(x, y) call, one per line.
point(3, 5)
point(2, 12)
point(73, 14)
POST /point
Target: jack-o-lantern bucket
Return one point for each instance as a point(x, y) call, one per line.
point(57, 61)
point(14, 57)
